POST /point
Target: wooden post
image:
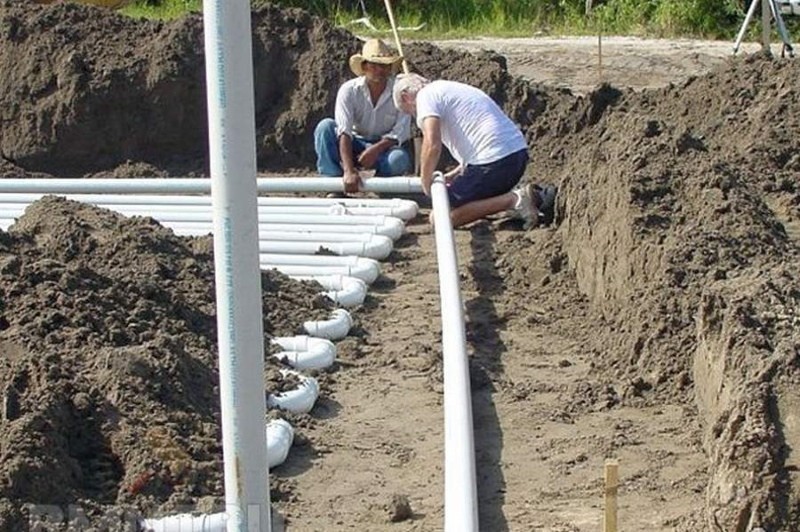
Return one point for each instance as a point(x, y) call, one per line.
point(766, 20)
point(612, 481)
point(389, 12)
point(590, 13)
point(417, 140)
point(600, 56)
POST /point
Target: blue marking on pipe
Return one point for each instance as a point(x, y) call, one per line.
point(231, 326)
point(220, 54)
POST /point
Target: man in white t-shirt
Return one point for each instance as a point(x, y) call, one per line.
point(490, 149)
point(367, 132)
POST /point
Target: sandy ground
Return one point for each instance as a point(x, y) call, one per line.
point(582, 63)
point(540, 465)
point(654, 324)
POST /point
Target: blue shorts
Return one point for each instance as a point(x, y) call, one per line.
point(481, 181)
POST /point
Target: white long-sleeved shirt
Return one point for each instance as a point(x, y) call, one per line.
point(356, 116)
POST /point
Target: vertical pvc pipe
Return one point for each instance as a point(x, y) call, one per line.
point(460, 494)
point(231, 128)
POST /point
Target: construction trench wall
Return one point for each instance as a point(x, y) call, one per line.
point(676, 207)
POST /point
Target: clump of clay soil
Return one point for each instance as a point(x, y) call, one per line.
point(108, 372)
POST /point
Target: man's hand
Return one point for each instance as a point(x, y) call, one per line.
point(351, 181)
point(369, 157)
point(426, 183)
point(454, 173)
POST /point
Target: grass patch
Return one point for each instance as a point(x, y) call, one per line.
point(445, 19)
point(163, 10)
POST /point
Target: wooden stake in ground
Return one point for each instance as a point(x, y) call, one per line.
point(396, 35)
point(612, 481)
point(417, 140)
point(590, 13)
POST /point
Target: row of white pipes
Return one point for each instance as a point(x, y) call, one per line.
point(460, 508)
point(357, 242)
point(345, 279)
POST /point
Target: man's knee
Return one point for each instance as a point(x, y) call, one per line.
point(398, 162)
point(325, 128)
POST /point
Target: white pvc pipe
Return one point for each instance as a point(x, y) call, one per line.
point(199, 225)
point(398, 212)
point(299, 400)
point(378, 247)
point(280, 435)
point(306, 352)
point(322, 260)
point(345, 291)
point(391, 185)
point(460, 498)
point(391, 230)
point(162, 199)
point(187, 523)
point(362, 249)
point(189, 213)
point(319, 236)
point(366, 274)
point(366, 269)
point(334, 328)
point(232, 151)
point(162, 210)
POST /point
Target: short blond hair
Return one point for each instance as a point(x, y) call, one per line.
point(407, 84)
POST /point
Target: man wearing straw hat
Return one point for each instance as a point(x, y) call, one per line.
point(368, 131)
point(490, 149)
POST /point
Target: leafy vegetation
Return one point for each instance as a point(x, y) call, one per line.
point(454, 18)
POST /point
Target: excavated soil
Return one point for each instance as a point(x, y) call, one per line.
point(655, 322)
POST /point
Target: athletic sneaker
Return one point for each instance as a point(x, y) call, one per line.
point(546, 203)
point(525, 207)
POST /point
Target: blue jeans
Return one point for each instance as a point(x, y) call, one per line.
point(392, 162)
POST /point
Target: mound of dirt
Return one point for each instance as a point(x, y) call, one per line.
point(109, 369)
point(677, 221)
point(71, 108)
point(677, 214)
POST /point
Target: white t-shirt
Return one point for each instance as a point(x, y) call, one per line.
point(474, 128)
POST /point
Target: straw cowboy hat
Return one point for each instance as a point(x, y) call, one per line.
point(374, 51)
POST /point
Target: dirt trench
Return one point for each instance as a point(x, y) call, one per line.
point(676, 226)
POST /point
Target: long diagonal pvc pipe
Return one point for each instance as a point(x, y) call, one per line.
point(460, 494)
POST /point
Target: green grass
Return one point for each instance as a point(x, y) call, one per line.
point(509, 18)
point(166, 10)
